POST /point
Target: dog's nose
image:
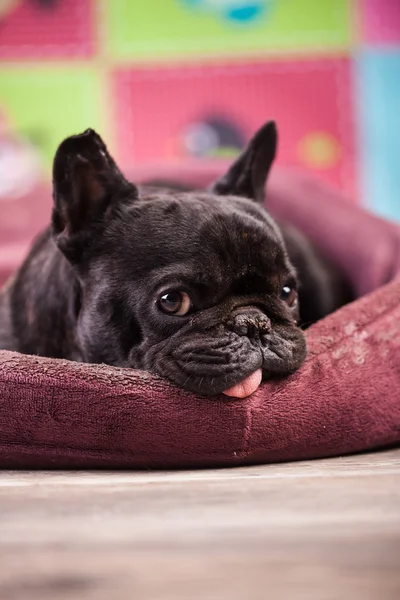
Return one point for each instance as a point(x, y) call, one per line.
point(251, 323)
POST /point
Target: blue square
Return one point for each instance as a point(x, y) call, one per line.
point(378, 98)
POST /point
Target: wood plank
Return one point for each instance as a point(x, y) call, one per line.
point(322, 529)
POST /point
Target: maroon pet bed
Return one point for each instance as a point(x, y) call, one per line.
point(345, 398)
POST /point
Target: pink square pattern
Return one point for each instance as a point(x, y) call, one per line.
point(64, 29)
point(310, 101)
point(381, 21)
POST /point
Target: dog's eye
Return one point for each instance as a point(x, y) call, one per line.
point(175, 303)
point(289, 295)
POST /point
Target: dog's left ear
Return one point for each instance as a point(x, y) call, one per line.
point(248, 174)
point(86, 183)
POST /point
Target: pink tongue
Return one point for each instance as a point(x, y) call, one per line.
point(245, 387)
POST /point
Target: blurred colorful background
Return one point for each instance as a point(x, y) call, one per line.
point(167, 81)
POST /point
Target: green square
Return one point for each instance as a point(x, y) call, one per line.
point(156, 30)
point(47, 104)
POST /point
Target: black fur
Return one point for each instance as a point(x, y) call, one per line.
point(90, 288)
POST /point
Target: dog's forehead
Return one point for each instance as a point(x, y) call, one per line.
point(208, 214)
point(229, 220)
point(226, 231)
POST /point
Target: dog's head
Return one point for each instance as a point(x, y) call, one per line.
point(194, 286)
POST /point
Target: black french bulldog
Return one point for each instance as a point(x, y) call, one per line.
point(197, 287)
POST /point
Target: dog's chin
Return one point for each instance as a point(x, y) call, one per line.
point(230, 364)
point(210, 381)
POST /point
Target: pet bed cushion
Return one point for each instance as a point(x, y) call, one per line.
point(346, 397)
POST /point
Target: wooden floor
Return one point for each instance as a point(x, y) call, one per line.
point(327, 529)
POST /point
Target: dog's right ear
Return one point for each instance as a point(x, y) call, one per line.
point(86, 183)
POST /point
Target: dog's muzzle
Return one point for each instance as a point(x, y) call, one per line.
point(231, 357)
